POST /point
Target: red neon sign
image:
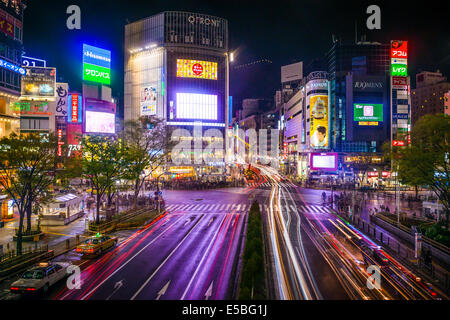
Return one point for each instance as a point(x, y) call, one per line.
point(399, 49)
point(398, 143)
point(74, 107)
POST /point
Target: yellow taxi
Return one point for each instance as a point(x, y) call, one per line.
point(96, 245)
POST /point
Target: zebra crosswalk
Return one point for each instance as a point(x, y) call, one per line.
point(214, 207)
point(271, 184)
point(308, 208)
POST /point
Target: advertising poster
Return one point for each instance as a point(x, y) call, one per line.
point(196, 69)
point(148, 101)
point(318, 108)
point(39, 82)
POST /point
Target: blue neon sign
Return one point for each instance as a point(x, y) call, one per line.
point(96, 56)
point(12, 67)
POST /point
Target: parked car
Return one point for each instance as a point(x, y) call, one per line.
point(40, 277)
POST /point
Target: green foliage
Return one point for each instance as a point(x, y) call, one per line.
point(146, 143)
point(27, 171)
point(438, 232)
point(426, 160)
point(103, 163)
point(253, 279)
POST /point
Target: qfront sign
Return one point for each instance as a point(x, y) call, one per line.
point(96, 64)
point(204, 21)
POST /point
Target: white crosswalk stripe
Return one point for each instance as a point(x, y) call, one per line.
point(313, 209)
point(215, 207)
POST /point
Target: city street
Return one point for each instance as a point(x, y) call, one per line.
point(190, 253)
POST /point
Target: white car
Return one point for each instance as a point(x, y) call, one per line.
point(40, 277)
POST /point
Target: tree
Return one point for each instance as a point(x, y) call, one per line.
point(27, 168)
point(428, 157)
point(102, 163)
point(146, 143)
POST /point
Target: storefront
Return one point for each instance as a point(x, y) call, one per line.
point(7, 208)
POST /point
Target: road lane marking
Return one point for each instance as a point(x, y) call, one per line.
point(203, 258)
point(123, 265)
point(165, 260)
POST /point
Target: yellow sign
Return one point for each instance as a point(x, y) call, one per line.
point(196, 69)
point(318, 131)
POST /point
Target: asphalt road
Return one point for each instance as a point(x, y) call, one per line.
point(191, 253)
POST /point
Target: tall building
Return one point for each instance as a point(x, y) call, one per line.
point(11, 48)
point(429, 95)
point(348, 66)
point(176, 68)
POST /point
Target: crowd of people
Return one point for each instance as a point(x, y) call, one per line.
point(191, 184)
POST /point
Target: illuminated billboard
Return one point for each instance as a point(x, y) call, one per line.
point(96, 64)
point(34, 108)
point(100, 122)
point(324, 161)
point(148, 101)
point(196, 106)
point(75, 108)
point(318, 106)
point(39, 82)
point(196, 69)
point(399, 70)
point(399, 49)
point(365, 112)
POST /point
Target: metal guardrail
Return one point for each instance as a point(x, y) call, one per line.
point(430, 241)
point(111, 225)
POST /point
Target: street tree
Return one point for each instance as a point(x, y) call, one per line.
point(427, 158)
point(102, 164)
point(27, 169)
point(146, 141)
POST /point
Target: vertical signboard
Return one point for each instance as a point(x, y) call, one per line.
point(400, 94)
point(62, 92)
point(75, 108)
point(60, 142)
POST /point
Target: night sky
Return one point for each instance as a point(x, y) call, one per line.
point(281, 31)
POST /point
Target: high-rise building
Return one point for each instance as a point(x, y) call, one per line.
point(176, 68)
point(11, 48)
point(429, 95)
point(348, 65)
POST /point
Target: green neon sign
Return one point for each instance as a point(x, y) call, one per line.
point(96, 73)
point(399, 70)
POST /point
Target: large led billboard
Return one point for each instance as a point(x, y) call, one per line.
point(318, 106)
point(372, 112)
point(39, 82)
point(100, 122)
point(96, 64)
point(196, 106)
point(196, 69)
point(324, 161)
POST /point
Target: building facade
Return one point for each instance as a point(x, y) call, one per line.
point(429, 95)
point(176, 69)
point(11, 48)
